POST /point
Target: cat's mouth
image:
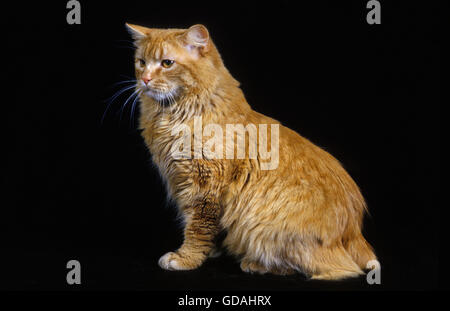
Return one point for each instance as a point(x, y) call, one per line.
point(163, 97)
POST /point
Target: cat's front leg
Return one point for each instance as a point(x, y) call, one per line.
point(201, 228)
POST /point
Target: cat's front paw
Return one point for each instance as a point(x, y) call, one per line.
point(173, 261)
point(169, 261)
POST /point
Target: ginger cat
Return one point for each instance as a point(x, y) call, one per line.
point(303, 214)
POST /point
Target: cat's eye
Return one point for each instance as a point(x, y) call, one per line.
point(141, 62)
point(166, 63)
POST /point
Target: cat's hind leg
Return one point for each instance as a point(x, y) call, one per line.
point(252, 266)
point(335, 275)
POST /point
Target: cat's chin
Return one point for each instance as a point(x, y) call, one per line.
point(165, 99)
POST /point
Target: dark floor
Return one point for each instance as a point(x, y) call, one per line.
point(113, 270)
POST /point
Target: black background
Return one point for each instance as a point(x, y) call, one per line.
point(76, 188)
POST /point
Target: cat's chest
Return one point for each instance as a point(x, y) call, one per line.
point(161, 139)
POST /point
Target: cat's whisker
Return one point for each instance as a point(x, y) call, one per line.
point(161, 103)
point(118, 93)
point(124, 82)
point(133, 106)
point(171, 99)
point(112, 98)
point(135, 93)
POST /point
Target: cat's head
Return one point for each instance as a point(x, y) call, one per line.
point(170, 63)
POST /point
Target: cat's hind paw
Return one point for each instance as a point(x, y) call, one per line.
point(256, 267)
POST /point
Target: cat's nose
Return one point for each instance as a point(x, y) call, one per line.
point(146, 80)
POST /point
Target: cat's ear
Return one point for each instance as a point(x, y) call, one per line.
point(137, 32)
point(196, 38)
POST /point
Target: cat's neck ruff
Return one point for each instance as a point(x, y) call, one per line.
point(182, 110)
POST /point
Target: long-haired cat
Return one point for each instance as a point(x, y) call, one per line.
point(305, 215)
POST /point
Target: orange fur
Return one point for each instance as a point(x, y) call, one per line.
point(305, 215)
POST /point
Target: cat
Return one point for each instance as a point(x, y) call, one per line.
point(302, 216)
